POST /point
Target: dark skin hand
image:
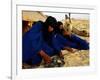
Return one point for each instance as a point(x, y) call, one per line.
point(66, 33)
point(70, 49)
point(45, 57)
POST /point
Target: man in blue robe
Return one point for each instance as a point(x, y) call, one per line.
point(69, 39)
point(37, 42)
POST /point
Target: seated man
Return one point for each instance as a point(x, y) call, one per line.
point(32, 46)
point(70, 40)
point(37, 43)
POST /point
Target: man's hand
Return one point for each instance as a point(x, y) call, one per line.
point(70, 49)
point(46, 58)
